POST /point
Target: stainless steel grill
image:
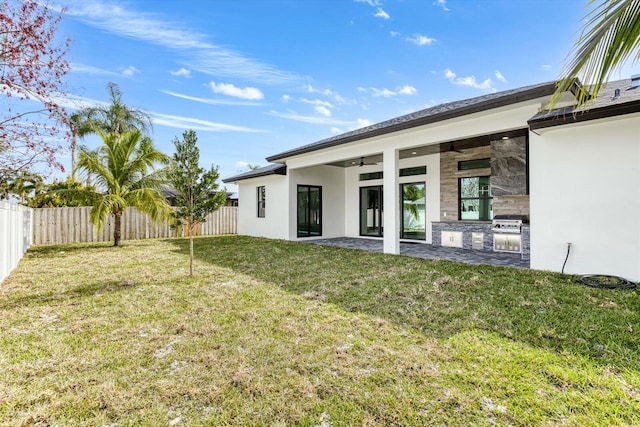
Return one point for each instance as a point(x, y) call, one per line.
point(507, 233)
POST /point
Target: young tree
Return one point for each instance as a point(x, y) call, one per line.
point(124, 172)
point(31, 68)
point(610, 37)
point(195, 187)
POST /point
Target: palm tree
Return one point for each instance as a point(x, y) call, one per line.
point(125, 174)
point(609, 38)
point(115, 118)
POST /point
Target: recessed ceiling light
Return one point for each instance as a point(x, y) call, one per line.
point(414, 152)
point(505, 137)
point(353, 163)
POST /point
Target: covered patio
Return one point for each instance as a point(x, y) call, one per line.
point(421, 250)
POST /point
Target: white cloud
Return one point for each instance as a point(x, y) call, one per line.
point(387, 93)
point(88, 69)
point(210, 100)
point(420, 40)
point(486, 85)
point(336, 131)
point(372, 3)
point(316, 102)
point(394, 33)
point(317, 120)
point(229, 89)
point(363, 123)
point(324, 111)
point(381, 14)
point(182, 72)
point(500, 77)
point(197, 124)
point(285, 98)
point(545, 67)
point(130, 71)
point(407, 90)
point(442, 4)
point(200, 54)
point(328, 93)
point(242, 164)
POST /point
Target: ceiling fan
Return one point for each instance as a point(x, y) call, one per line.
point(452, 149)
point(363, 163)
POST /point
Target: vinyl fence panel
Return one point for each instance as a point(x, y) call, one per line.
point(16, 230)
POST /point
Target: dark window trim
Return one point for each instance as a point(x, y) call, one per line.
point(412, 171)
point(370, 176)
point(463, 164)
point(308, 187)
point(402, 236)
point(261, 196)
point(380, 210)
point(460, 198)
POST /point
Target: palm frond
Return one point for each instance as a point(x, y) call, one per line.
point(609, 38)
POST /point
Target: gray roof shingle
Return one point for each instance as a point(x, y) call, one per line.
point(273, 169)
point(428, 115)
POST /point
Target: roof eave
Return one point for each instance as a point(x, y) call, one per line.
point(534, 93)
point(279, 171)
point(569, 116)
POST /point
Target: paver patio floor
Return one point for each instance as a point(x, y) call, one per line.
point(422, 250)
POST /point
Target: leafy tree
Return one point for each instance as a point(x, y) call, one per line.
point(124, 172)
point(61, 194)
point(609, 38)
point(115, 118)
point(31, 68)
point(23, 186)
point(195, 187)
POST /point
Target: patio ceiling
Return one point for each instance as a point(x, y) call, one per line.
point(424, 150)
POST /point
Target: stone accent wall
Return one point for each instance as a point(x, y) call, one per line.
point(467, 228)
point(449, 175)
point(509, 167)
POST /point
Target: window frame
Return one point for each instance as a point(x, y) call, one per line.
point(261, 201)
point(480, 198)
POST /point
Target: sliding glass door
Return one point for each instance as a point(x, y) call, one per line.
point(413, 211)
point(309, 210)
point(371, 215)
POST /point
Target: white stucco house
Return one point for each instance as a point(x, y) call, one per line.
point(448, 175)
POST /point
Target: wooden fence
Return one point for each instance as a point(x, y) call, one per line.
point(70, 225)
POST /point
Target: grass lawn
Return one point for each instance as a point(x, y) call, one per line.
point(280, 333)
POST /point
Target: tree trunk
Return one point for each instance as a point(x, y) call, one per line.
point(191, 253)
point(116, 229)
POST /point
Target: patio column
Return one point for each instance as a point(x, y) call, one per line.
point(391, 189)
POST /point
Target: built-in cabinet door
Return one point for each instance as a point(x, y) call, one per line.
point(452, 239)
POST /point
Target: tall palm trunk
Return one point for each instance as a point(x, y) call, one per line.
point(117, 228)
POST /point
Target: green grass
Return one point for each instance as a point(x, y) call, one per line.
point(280, 333)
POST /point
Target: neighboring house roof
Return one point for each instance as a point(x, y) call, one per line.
point(273, 169)
point(430, 115)
point(608, 104)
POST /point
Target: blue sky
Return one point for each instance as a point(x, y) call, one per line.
point(257, 77)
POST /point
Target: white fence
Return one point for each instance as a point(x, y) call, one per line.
point(16, 231)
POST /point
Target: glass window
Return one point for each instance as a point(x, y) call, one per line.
point(413, 211)
point(261, 201)
point(474, 164)
point(371, 175)
point(418, 170)
point(476, 203)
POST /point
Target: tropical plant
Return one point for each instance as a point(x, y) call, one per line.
point(22, 185)
point(124, 171)
point(61, 194)
point(195, 188)
point(609, 38)
point(115, 118)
